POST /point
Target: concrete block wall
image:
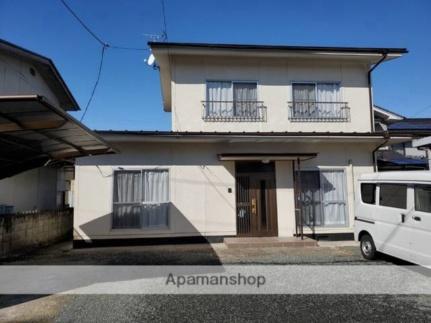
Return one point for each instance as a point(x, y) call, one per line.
point(23, 232)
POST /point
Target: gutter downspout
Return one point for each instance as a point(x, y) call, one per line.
point(377, 148)
point(370, 91)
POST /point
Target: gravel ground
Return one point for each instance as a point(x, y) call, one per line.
point(217, 308)
point(198, 254)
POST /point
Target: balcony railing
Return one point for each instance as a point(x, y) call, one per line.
point(312, 111)
point(234, 111)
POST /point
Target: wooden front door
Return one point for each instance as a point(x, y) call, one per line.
point(256, 204)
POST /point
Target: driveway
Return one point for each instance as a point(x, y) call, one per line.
point(198, 308)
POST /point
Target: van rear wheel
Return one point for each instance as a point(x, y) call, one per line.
point(368, 249)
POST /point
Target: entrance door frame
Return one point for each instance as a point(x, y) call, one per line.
point(255, 207)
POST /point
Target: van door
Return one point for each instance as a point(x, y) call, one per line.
point(392, 231)
point(421, 224)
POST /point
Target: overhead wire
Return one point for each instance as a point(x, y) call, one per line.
point(99, 73)
point(97, 38)
point(104, 45)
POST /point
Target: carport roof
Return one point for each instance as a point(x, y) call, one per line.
point(32, 132)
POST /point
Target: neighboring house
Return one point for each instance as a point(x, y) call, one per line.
point(424, 144)
point(383, 118)
point(401, 156)
point(265, 141)
point(38, 138)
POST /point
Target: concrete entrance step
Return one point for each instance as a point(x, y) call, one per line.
point(262, 242)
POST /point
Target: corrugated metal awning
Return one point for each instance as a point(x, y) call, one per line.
point(32, 132)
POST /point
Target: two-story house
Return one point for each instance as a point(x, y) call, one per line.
point(265, 141)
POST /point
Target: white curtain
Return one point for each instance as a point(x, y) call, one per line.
point(155, 198)
point(304, 98)
point(328, 92)
point(333, 190)
point(311, 198)
point(219, 99)
point(245, 97)
point(141, 199)
point(127, 199)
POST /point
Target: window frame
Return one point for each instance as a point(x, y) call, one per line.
point(141, 203)
point(395, 184)
point(346, 194)
point(231, 86)
point(315, 83)
point(375, 192)
point(414, 197)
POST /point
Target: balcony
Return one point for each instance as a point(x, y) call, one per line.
point(233, 111)
point(312, 111)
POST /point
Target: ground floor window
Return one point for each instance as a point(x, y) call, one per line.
point(141, 199)
point(323, 198)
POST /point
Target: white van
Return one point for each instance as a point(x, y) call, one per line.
point(393, 215)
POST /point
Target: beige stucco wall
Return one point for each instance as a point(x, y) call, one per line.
point(199, 182)
point(16, 79)
point(274, 78)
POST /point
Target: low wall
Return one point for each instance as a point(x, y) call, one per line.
point(23, 232)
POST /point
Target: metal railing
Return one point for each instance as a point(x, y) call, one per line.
point(313, 111)
point(242, 111)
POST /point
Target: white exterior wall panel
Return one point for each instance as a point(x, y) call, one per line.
point(274, 79)
point(199, 183)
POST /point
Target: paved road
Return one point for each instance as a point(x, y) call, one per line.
point(217, 308)
point(258, 308)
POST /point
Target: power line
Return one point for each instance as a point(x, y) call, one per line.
point(104, 44)
point(102, 55)
point(95, 36)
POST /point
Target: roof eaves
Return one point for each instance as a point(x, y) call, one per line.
point(156, 44)
point(241, 134)
point(389, 111)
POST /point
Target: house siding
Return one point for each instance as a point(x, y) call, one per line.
point(274, 78)
point(201, 204)
point(16, 79)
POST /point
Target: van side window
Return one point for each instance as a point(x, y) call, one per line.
point(393, 195)
point(368, 193)
point(423, 198)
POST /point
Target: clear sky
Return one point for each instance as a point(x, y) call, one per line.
point(128, 96)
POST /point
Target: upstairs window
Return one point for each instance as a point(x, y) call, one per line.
point(235, 100)
point(316, 92)
point(318, 101)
